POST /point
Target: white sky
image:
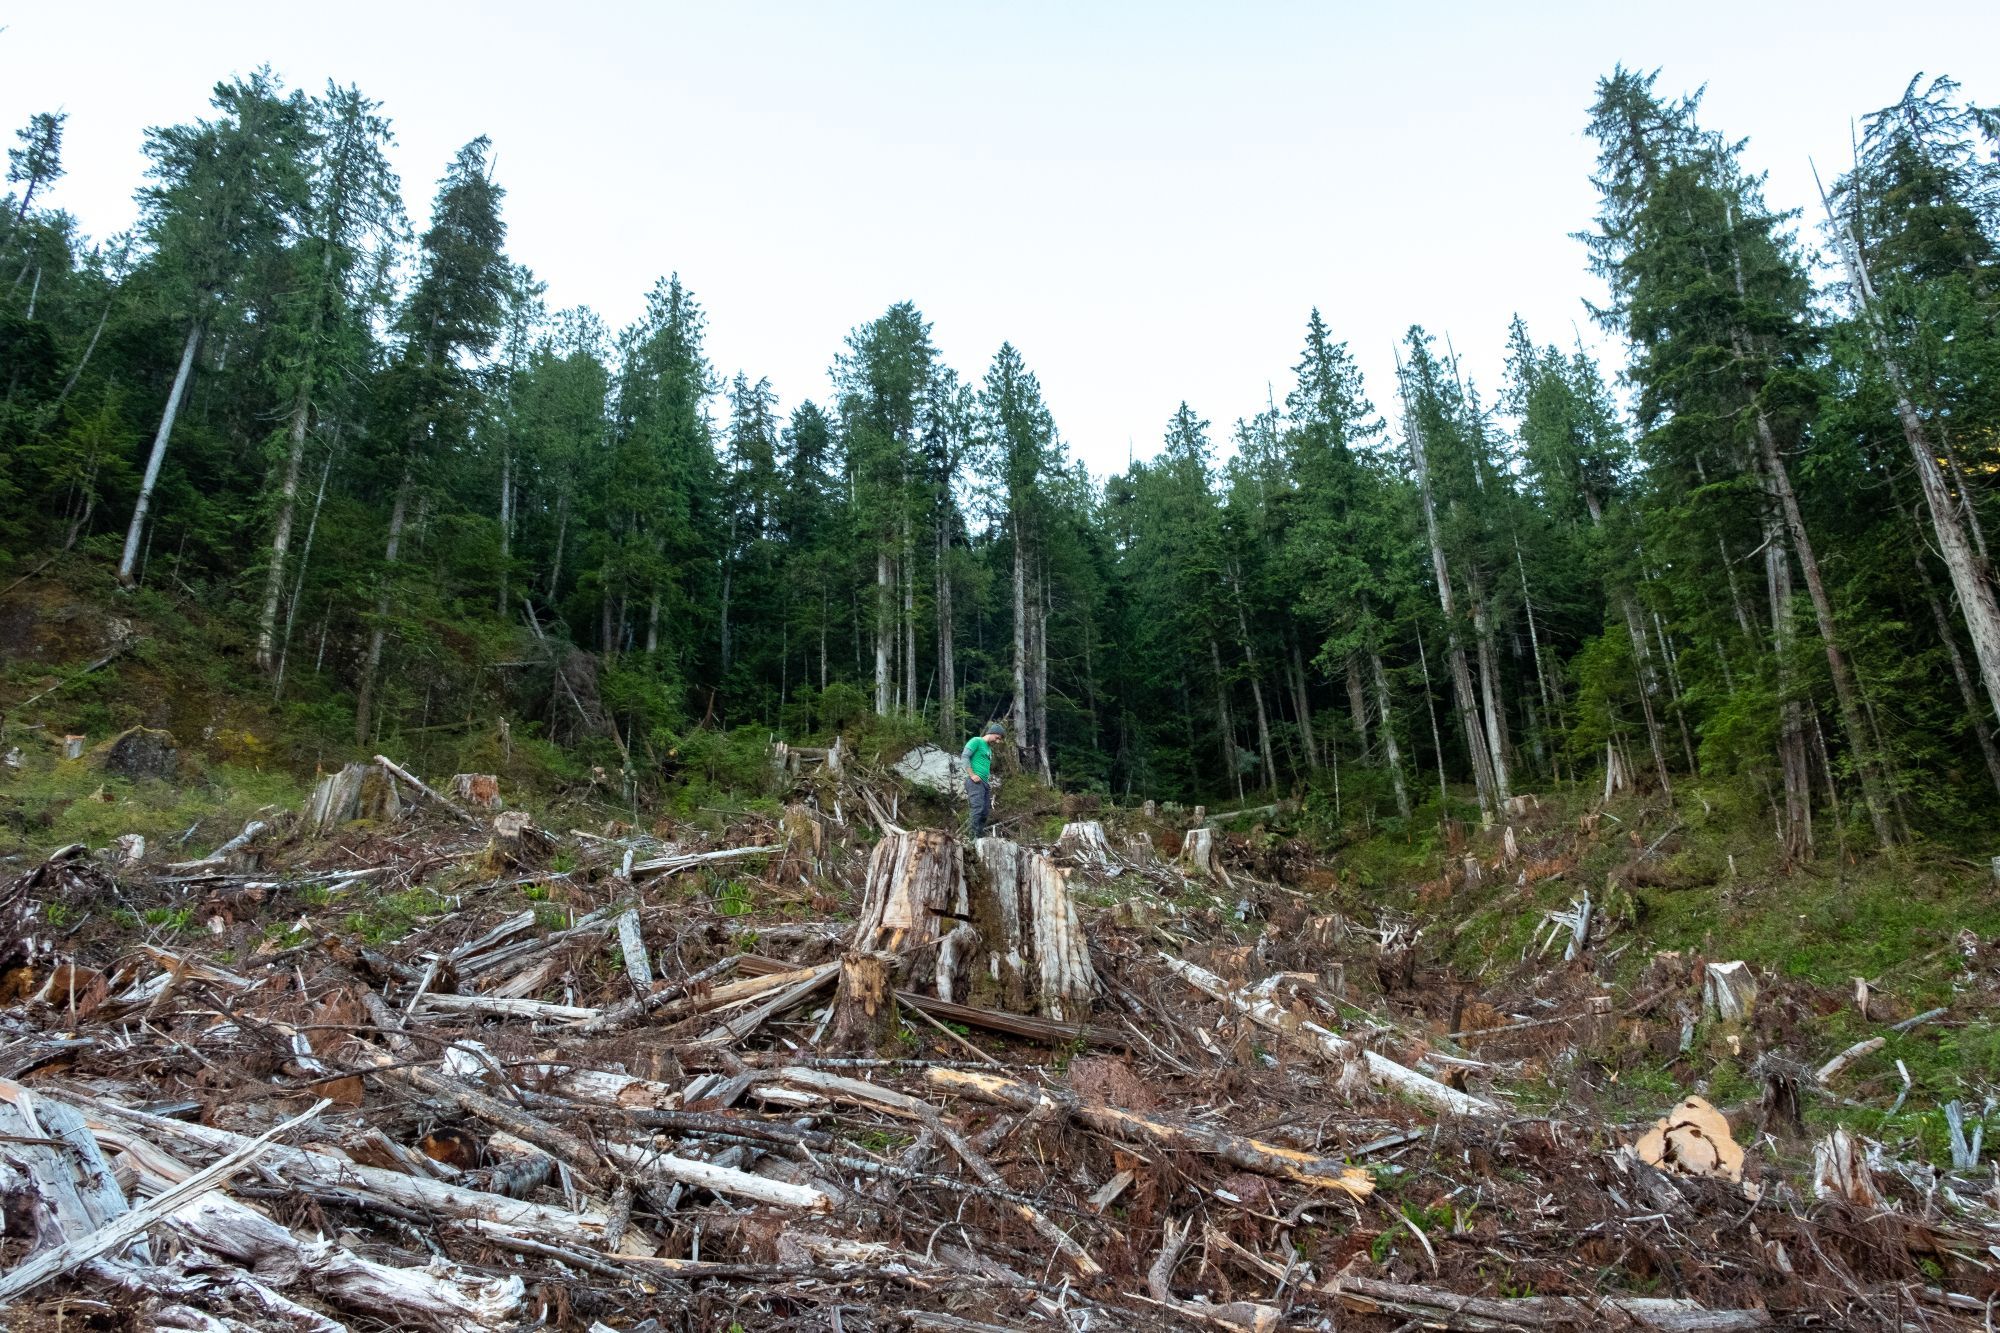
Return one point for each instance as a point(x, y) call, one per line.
point(1145, 198)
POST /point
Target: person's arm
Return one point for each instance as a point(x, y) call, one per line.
point(971, 757)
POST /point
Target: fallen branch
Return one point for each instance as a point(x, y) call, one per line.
point(82, 1249)
point(1266, 1012)
point(395, 769)
point(1270, 1159)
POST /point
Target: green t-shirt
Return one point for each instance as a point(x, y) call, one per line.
point(979, 758)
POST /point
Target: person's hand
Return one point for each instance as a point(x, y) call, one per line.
point(973, 777)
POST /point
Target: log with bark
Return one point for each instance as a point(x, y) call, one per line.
point(1271, 1159)
point(1435, 1307)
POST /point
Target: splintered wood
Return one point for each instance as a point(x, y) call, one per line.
point(1030, 936)
point(621, 1078)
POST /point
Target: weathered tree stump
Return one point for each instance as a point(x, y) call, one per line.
point(864, 1008)
point(1198, 850)
point(916, 894)
point(1139, 850)
point(479, 790)
point(805, 841)
point(1029, 933)
point(336, 798)
point(516, 839)
point(1729, 991)
point(1084, 844)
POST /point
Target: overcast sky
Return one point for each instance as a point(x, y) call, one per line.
point(1146, 199)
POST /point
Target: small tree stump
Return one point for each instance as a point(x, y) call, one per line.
point(517, 840)
point(1728, 991)
point(336, 798)
point(864, 1008)
point(1139, 850)
point(1084, 844)
point(1198, 850)
point(480, 790)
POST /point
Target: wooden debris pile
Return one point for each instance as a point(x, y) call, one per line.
point(445, 1069)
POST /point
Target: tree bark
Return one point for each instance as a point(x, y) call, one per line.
point(1476, 742)
point(1389, 749)
point(1845, 692)
point(1303, 707)
point(885, 629)
point(128, 562)
point(1029, 935)
point(364, 698)
point(1970, 579)
point(864, 1006)
point(947, 659)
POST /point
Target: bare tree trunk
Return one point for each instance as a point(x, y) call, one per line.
point(69, 384)
point(562, 535)
point(1430, 707)
point(281, 532)
point(1304, 707)
point(1021, 742)
point(1041, 683)
point(1795, 830)
point(1461, 674)
point(130, 559)
point(1490, 693)
point(1357, 704)
point(1222, 718)
point(1256, 683)
point(1975, 710)
point(364, 699)
point(909, 572)
point(305, 558)
point(1970, 579)
point(1389, 731)
point(653, 618)
point(1845, 691)
point(885, 629)
point(947, 663)
point(506, 520)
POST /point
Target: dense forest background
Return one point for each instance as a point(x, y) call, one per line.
point(1753, 557)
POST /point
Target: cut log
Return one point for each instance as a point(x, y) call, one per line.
point(1270, 1159)
point(632, 944)
point(481, 791)
point(1693, 1139)
point(1267, 1013)
point(1728, 991)
point(1033, 943)
point(864, 1007)
point(1198, 851)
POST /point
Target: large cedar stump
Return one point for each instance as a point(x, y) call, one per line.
point(915, 894)
point(1029, 934)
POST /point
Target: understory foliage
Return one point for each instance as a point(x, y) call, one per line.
point(423, 493)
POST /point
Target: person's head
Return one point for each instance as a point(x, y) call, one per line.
point(994, 731)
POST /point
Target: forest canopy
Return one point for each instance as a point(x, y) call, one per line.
point(1755, 554)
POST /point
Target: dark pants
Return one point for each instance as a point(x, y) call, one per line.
point(979, 795)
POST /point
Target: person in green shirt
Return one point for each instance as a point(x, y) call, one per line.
point(978, 755)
